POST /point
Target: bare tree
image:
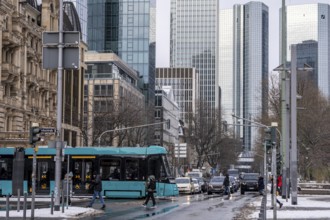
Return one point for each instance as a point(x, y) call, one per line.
point(206, 135)
point(109, 114)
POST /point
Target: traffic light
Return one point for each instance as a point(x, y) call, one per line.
point(278, 163)
point(268, 139)
point(34, 131)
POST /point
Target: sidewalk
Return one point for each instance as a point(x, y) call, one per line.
point(73, 212)
point(308, 207)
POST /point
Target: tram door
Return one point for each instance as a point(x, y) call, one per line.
point(45, 170)
point(82, 175)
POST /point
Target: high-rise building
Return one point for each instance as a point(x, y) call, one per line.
point(81, 8)
point(243, 66)
point(194, 43)
point(184, 85)
point(123, 27)
point(311, 22)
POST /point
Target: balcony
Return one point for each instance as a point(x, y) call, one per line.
point(9, 72)
point(10, 39)
point(11, 101)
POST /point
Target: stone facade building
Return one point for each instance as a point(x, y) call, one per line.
point(28, 93)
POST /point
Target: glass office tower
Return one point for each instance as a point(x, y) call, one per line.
point(194, 43)
point(81, 8)
point(243, 66)
point(311, 22)
point(123, 27)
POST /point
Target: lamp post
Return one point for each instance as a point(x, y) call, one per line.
point(291, 157)
point(273, 128)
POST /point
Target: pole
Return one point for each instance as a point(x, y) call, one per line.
point(285, 140)
point(59, 111)
point(67, 183)
point(265, 179)
point(293, 165)
point(274, 182)
point(34, 171)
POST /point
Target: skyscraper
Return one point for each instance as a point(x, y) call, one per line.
point(193, 41)
point(125, 28)
point(243, 65)
point(312, 22)
point(81, 8)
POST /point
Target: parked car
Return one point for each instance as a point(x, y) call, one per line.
point(249, 182)
point(185, 185)
point(197, 186)
point(216, 185)
point(203, 183)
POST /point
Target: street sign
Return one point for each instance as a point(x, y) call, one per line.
point(48, 130)
point(181, 150)
point(71, 51)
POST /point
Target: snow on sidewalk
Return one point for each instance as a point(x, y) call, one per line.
point(72, 212)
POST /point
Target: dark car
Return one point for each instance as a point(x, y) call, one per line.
point(249, 182)
point(204, 184)
point(216, 185)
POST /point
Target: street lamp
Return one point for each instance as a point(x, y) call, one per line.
point(293, 112)
point(273, 129)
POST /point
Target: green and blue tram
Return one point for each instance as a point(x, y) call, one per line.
point(124, 170)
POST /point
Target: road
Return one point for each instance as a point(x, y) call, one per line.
point(184, 207)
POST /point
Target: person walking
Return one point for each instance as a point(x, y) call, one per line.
point(271, 192)
point(226, 184)
point(261, 185)
point(96, 181)
point(151, 187)
point(279, 184)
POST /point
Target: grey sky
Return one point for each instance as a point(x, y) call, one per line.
point(163, 27)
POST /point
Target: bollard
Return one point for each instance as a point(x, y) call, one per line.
point(52, 204)
point(7, 206)
point(18, 200)
point(24, 206)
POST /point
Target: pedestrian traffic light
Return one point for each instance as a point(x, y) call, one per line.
point(34, 131)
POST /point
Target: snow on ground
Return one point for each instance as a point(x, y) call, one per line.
point(72, 212)
point(308, 207)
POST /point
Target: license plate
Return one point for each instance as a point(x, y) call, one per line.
point(251, 188)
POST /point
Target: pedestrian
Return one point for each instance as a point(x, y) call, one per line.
point(261, 185)
point(279, 184)
point(226, 184)
point(151, 187)
point(97, 183)
point(67, 188)
point(271, 191)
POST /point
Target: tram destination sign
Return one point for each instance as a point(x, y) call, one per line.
point(48, 130)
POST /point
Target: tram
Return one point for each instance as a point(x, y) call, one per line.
point(124, 170)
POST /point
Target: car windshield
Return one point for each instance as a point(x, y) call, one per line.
point(250, 177)
point(217, 179)
point(195, 181)
point(182, 180)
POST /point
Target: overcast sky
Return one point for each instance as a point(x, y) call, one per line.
point(163, 27)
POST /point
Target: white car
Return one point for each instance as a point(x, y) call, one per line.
point(185, 185)
point(197, 186)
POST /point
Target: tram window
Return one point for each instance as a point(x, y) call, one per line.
point(156, 167)
point(132, 169)
point(110, 169)
point(4, 172)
